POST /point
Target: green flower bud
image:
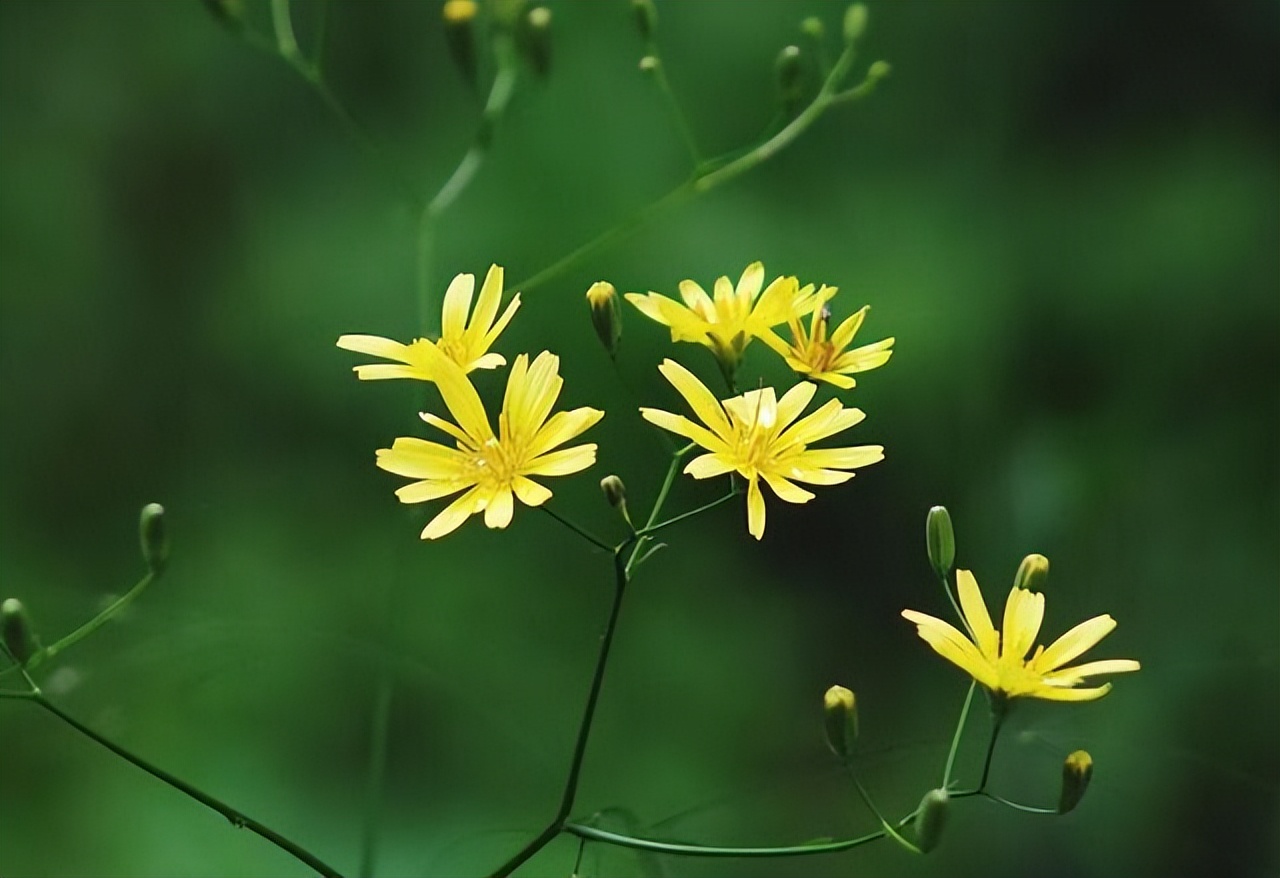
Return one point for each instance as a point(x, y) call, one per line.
point(646, 18)
point(790, 71)
point(615, 493)
point(649, 64)
point(606, 315)
point(855, 22)
point(229, 13)
point(931, 819)
point(15, 629)
point(1077, 771)
point(155, 536)
point(460, 36)
point(879, 70)
point(940, 539)
point(1032, 573)
point(535, 40)
point(813, 28)
point(840, 711)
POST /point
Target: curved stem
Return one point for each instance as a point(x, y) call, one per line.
point(1017, 806)
point(997, 722)
point(379, 735)
point(580, 531)
point(955, 738)
point(557, 824)
point(93, 624)
point(238, 818)
point(866, 800)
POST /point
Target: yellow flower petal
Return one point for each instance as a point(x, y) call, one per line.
point(1072, 676)
point(700, 399)
point(530, 492)
point(452, 516)
point(457, 301)
point(975, 613)
point(1023, 613)
point(563, 462)
point(786, 490)
point(420, 492)
point(374, 346)
point(1052, 693)
point(498, 511)
point(954, 647)
point(708, 466)
point(383, 371)
point(1075, 642)
point(486, 307)
point(684, 427)
point(755, 509)
point(851, 457)
point(420, 459)
point(561, 427)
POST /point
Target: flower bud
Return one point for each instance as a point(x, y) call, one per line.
point(460, 36)
point(646, 18)
point(840, 709)
point(931, 819)
point(1077, 771)
point(649, 64)
point(940, 539)
point(606, 315)
point(535, 40)
point(615, 493)
point(855, 22)
point(1032, 573)
point(790, 71)
point(15, 629)
point(813, 28)
point(879, 70)
point(155, 536)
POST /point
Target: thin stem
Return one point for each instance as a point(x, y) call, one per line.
point(945, 579)
point(580, 531)
point(667, 482)
point(379, 735)
point(682, 123)
point(700, 850)
point(557, 824)
point(95, 623)
point(500, 93)
point(997, 722)
point(1026, 809)
point(955, 738)
point(652, 529)
point(237, 818)
point(866, 800)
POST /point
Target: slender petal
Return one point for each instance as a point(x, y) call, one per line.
point(975, 613)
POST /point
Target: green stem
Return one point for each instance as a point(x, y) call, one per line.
point(866, 800)
point(557, 824)
point(682, 123)
point(955, 738)
point(667, 482)
point(1017, 806)
point(700, 850)
point(580, 531)
point(652, 529)
point(379, 735)
point(997, 722)
point(237, 818)
point(500, 93)
point(93, 624)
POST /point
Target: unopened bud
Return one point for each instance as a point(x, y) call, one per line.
point(460, 36)
point(615, 493)
point(646, 15)
point(879, 70)
point(940, 539)
point(15, 629)
point(855, 22)
point(1032, 573)
point(790, 71)
point(535, 40)
point(229, 13)
point(154, 536)
point(840, 712)
point(813, 28)
point(1077, 771)
point(931, 819)
point(606, 314)
point(649, 64)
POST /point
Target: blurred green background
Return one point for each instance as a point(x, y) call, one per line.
point(1067, 214)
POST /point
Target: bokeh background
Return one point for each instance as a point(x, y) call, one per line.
point(1067, 215)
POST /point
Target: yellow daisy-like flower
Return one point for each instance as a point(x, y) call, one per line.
point(820, 357)
point(466, 344)
point(490, 467)
point(757, 435)
point(999, 660)
point(728, 320)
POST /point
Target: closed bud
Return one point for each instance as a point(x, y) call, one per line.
point(606, 315)
point(646, 15)
point(813, 28)
point(229, 13)
point(940, 539)
point(790, 71)
point(615, 493)
point(840, 715)
point(154, 536)
point(879, 70)
point(931, 819)
point(15, 629)
point(535, 40)
point(1077, 771)
point(1032, 573)
point(855, 22)
point(649, 64)
point(460, 36)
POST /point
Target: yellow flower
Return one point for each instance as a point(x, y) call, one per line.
point(820, 357)
point(727, 321)
point(757, 435)
point(491, 467)
point(465, 344)
point(998, 661)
